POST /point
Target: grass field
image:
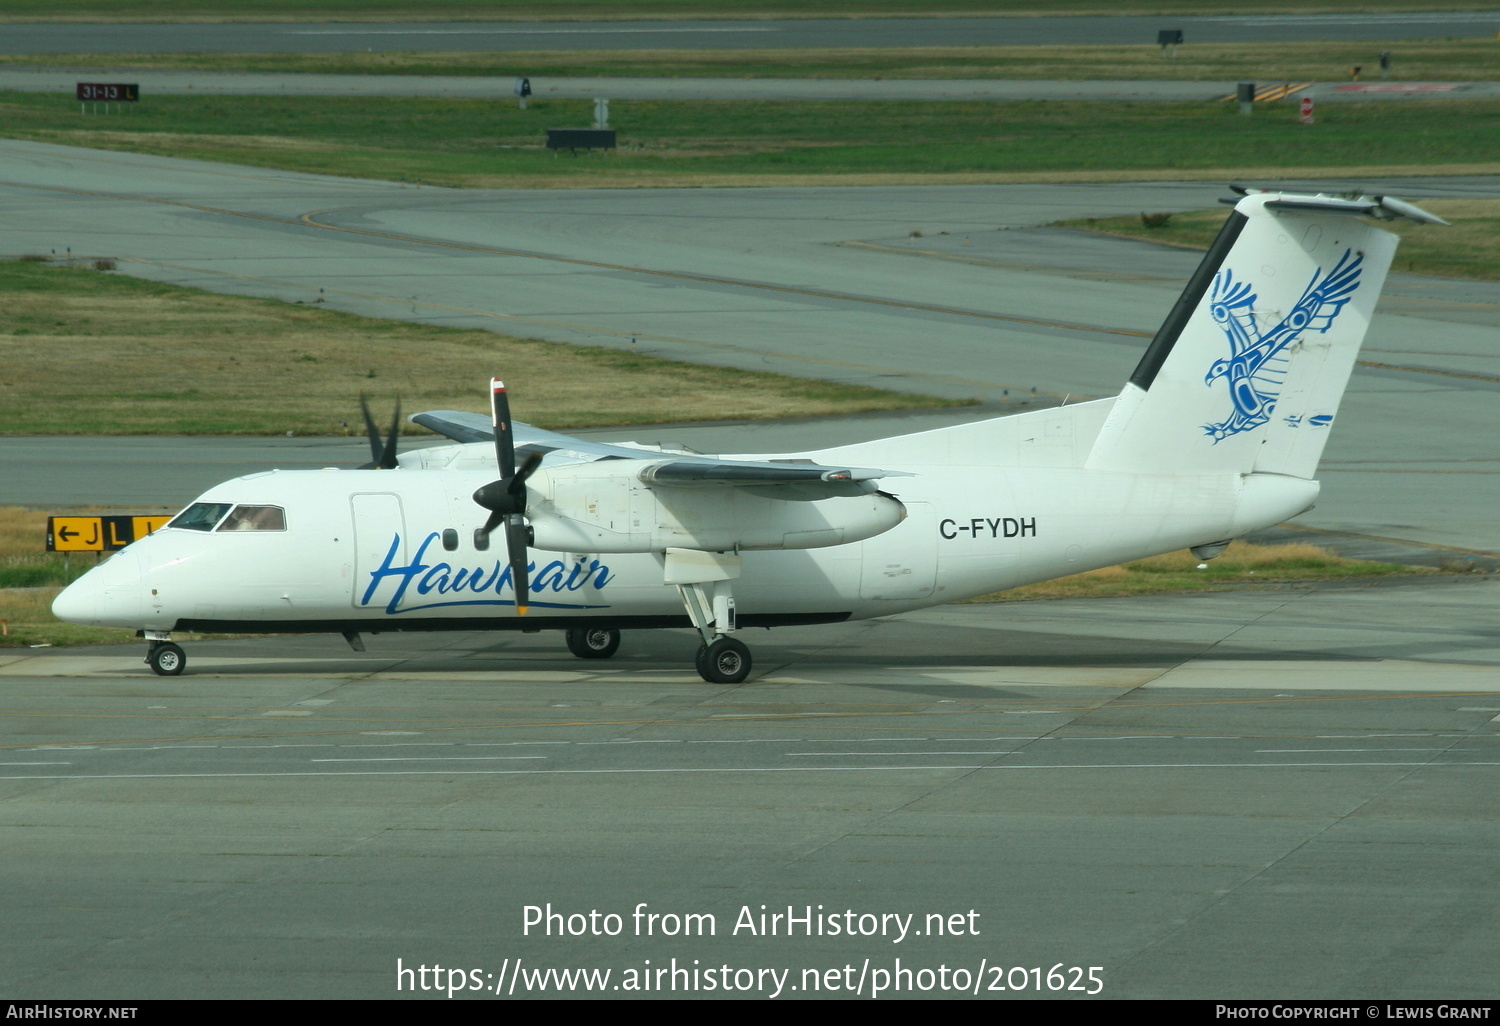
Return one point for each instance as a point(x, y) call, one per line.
point(568, 10)
point(1467, 248)
point(24, 563)
point(1241, 565)
point(181, 361)
point(28, 622)
point(1445, 60)
point(480, 144)
point(30, 577)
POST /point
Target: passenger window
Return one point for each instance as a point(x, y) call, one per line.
point(200, 516)
point(255, 518)
point(450, 539)
point(481, 540)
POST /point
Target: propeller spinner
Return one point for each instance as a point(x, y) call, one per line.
point(506, 498)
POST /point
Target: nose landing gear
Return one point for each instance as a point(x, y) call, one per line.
point(165, 658)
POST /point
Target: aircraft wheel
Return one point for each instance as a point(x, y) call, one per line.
point(726, 661)
point(593, 642)
point(166, 659)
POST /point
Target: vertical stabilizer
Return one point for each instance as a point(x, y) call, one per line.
point(1247, 371)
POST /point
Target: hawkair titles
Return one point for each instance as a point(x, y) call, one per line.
point(442, 584)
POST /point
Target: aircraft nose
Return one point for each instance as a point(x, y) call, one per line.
point(78, 602)
point(110, 595)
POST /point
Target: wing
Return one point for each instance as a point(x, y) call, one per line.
point(792, 480)
point(475, 427)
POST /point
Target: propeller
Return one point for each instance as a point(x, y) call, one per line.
point(382, 455)
point(506, 498)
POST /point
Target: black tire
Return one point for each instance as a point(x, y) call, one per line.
point(166, 659)
point(726, 661)
point(593, 642)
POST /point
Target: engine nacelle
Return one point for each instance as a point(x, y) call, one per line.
point(610, 510)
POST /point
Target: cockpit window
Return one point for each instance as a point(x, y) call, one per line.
point(200, 516)
point(255, 518)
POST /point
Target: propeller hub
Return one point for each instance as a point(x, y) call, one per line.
point(498, 497)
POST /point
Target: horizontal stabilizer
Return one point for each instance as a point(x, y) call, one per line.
point(1382, 208)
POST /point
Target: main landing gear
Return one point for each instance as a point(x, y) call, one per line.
point(724, 660)
point(593, 642)
point(721, 659)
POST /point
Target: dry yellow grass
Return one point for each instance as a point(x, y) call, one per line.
point(1243, 555)
point(26, 613)
point(1469, 247)
point(83, 352)
point(23, 611)
point(1241, 564)
point(21, 530)
point(24, 559)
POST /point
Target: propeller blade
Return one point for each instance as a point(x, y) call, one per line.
point(371, 430)
point(388, 456)
point(505, 441)
point(517, 484)
point(506, 498)
point(516, 539)
point(382, 454)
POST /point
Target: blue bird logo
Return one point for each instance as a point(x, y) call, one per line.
point(1257, 364)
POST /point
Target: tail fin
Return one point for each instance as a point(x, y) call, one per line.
point(1246, 373)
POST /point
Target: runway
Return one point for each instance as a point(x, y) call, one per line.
point(1272, 794)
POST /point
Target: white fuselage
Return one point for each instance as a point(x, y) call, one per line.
point(369, 550)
